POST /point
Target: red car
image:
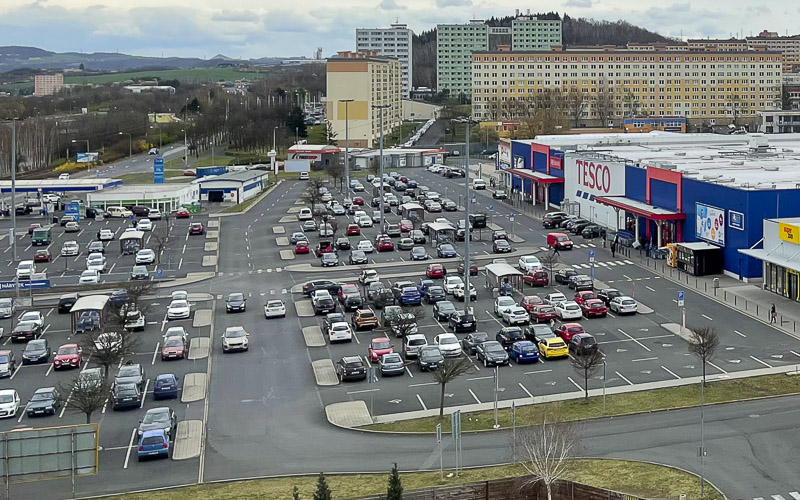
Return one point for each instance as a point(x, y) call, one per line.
point(583, 296)
point(67, 356)
point(347, 290)
point(473, 268)
point(182, 213)
point(594, 308)
point(353, 230)
point(406, 226)
point(196, 228)
point(542, 313)
point(33, 226)
point(435, 271)
point(174, 348)
point(567, 330)
point(378, 347)
point(536, 277)
point(385, 245)
point(358, 200)
point(402, 178)
point(530, 301)
point(301, 247)
point(41, 256)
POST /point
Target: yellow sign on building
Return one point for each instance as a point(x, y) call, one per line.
point(789, 232)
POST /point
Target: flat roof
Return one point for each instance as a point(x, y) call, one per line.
point(90, 303)
point(640, 208)
point(315, 148)
point(143, 189)
point(777, 259)
point(503, 270)
point(698, 245)
point(240, 176)
point(47, 185)
point(746, 161)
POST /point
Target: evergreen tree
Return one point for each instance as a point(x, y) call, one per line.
point(296, 122)
point(395, 491)
point(323, 491)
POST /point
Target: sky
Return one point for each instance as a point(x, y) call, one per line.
point(260, 28)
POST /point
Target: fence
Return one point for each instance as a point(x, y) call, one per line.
point(521, 488)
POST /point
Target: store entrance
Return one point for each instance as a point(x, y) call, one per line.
point(791, 284)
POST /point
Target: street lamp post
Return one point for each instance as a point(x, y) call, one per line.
point(185, 150)
point(346, 143)
point(130, 143)
point(380, 156)
point(87, 152)
point(14, 190)
point(467, 227)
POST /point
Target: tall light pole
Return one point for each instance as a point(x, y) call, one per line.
point(346, 144)
point(87, 152)
point(14, 189)
point(130, 143)
point(185, 150)
point(380, 155)
point(467, 227)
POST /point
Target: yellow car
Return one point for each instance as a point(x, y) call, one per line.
point(364, 318)
point(553, 348)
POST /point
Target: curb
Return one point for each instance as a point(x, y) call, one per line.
point(258, 200)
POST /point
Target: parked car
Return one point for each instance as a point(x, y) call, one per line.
point(623, 305)
point(165, 386)
point(45, 401)
point(553, 348)
point(429, 357)
point(607, 294)
point(508, 335)
point(351, 368)
point(470, 343)
point(567, 330)
point(582, 344)
point(460, 322)
point(536, 277)
point(524, 351)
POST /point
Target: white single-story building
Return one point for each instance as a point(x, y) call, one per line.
point(234, 187)
point(165, 197)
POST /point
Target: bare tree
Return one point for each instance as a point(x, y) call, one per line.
point(160, 237)
point(136, 291)
point(85, 395)
point(604, 102)
point(704, 344)
point(336, 173)
point(312, 196)
point(450, 369)
point(586, 365)
point(549, 260)
point(547, 448)
point(405, 323)
point(110, 343)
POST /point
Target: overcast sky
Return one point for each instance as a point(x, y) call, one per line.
point(258, 28)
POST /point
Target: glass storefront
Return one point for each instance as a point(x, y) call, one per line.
point(783, 281)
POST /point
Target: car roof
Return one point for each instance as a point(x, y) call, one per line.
point(351, 359)
point(164, 376)
point(154, 432)
point(44, 389)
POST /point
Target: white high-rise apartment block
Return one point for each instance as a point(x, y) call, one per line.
point(394, 42)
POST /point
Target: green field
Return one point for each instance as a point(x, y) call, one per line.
point(183, 74)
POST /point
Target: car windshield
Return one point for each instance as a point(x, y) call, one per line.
point(178, 304)
point(417, 342)
point(6, 398)
point(528, 349)
point(340, 327)
point(446, 306)
point(354, 364)
point(4, 358)
point(513, 333)
point(155, 417)
point(435, 290)
point(235, 297)
point(505, 301)
point(596, 305)
point(494, 348)
point(35, 345)
point(127, 390)
point(164, 381)
point(173, 342)
point(383, 344)
point(574, 329)
point(367, 314)
point(42, 396)
point(418, 250)
point(432, 353)
point(234, 333)
point(447, 248)
point(29, 316)
point(274, 303)
point(392, 358)
point(128, 371)
point(571, 307)
point(588, 340)
point(448, 340)
point(557, 343)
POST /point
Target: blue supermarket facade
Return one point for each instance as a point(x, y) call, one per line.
point(664, 188)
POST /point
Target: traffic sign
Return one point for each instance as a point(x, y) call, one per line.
point(680, 298)
point(491, 207)
point(591, 256)
point(455, 424)
point(511, 217)
point(160, 273)
point(158, 171)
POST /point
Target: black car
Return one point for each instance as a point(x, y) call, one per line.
point(449, 205)
point(22, 210)
point(330, 259)
point(499, 235)
point(342, 244)
point(571, 224)
point(324, 305)
point(37, 351)
point(132, 373)
point(446, 251)
point(351, 368)
point(491, 353)
point(27, 330)
point(563, 275)
point(454, 172)
point(462, 323)
point(582, 344)
point(472, 341)
point(162, 418)
point(435, 294)
point(581, 282)
point(477, 221)
point(45, 401)
point(119, 297)
point(578, 227)
point(311, 286)
point(553, 221)
point(236, 303)
point(357, 257)
point(67, 218)
point(537, 332)
point(384, 297)
point(593, 231)
point(125, 395)
point(330, 319)
point(607, 294)
point(66, 301)
point(353, 302)
point(96, 247)
point(509, 335)
point(443, 309)
point(461, 233)
point(419, 253)
point(501, 246)
point(429, 358)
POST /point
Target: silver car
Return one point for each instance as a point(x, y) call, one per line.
point(392, 364)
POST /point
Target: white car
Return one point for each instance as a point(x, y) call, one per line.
point(274, 309)
point(451, 282)
point(340, 332)
point(359, 214)
point(63, 177)
point(458, 292)
point(134, 320)
point(448, 344)
point(623, 305)
point(96, 262)
point(515, 316)
point(235, 338)
point(70, 249)
point(106, 235)
point(144, 225)
point(503, 303)
point(365, 221)
point(305, 214)
point(179, 309)
point(327, 197)
point(50, 198)
point(145, 256)
point(176, 331)
point(26, 269)
point(568, 309)
point(365, 246)
point(554, 298)
point(529, 263)
point(368, 276)
point(154, 214)
point(180, 295)
point(9, 403)
point(32, 317)
point(89, 277)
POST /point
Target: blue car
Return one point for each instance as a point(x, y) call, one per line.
point(424, 285)
point(411, 184)
point(153, 444)
point(524, 351)
point(119, 298)
point(165, 386)
point(410, 296)
point(446, 251)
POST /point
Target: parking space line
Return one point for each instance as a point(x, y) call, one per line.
point(536, 371)
point(49, 369)
point(15, 372)
point(130, 445)
point(633, 339)
point(409, 372)
point(423, 384)
point(644, 359)
point(707, 317)
point(762, 362)
point(795, 353)
point(717, 367)
point(670, 372)
point(481, 378)
point(421, 402)
point(737, 332)
point(474, 396)
point(526, 390)
point(575, 383)
point(363, 391)
point(146, 385)
point(651, 289)
point(623, 378)
point(155, 353)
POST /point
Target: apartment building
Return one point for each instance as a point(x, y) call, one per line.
point(48, 84)
point(395, 41)
point(789, 46)
point(602, 87)
point(532, 33)
point(367, 81)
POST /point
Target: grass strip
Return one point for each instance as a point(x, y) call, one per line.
point(635, 478)
point(719, 391)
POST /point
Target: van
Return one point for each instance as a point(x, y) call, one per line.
point(42, 236)
point(559, 240)
point(118, 212)
point(478, 184)
point(303, 176)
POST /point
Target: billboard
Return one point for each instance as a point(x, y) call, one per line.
point(296, 166)
point(586, 178)
point(556, 159)
point(789, 232)
point(158, 171)
point(710, 224)
point(504, 154)
point(49, 453)
point(73, 208)
point(736, 220)
point(88, 157)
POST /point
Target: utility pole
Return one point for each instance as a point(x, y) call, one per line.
point(380, 156)
point(14, 189)
point(346, 143)
point(130, 143)
point(467, 227)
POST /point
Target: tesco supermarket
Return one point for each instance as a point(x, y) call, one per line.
point(662, 187)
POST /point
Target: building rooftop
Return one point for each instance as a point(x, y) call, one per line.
point(142, 189)
point(747, 161)
point(240, 176)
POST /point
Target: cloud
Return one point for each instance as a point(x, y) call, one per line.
point(583, 4)
point(391, 5)
point(236, 16)
point(453, 3)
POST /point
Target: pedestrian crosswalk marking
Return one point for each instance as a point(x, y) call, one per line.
point(544, 249)
point(585, 266)
point(576, 266)
point(603, 264)
point(794, 495)
point(777, 497)
point(628, 262)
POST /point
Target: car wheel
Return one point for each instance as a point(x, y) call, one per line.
point(485, 363)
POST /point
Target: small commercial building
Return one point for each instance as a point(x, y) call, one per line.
point(398, 158)
point(234, 187)
point(44, 186)
point(780, 256)
point(319, 156)
point(131, 242)
point(87, 313)
point(165, 197)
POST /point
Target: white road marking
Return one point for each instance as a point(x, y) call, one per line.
point(144, 392)
point(474, 396)
point(130, 445)
point(762, 362)
point(575, 383)
point(633, 339)
point(526, 390)
point(155, 353)
point(423, 384)
point(644, 359)
point(651, 289)
point(707, 317)
point(717, 367)
point(50, 369)
point(536, 371)
point(421, 402)
point(737, 332)
point(670, 372)
point(623, 378)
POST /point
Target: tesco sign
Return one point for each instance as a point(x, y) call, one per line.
point(594, 176)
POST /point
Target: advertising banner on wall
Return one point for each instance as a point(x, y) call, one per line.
point(556, 159)
point(710, 224)
point(588, 177)
point(87, 157)
point(504, 154)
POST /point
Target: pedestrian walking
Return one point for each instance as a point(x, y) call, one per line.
point(555, 251)
point(773, 315)
point(552, 324)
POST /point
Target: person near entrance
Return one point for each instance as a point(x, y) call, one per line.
point(773, 315)
point(613, 248)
